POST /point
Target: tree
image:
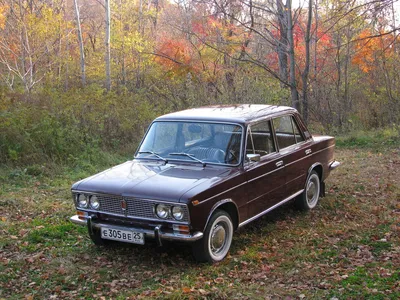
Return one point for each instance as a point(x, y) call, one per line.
point(107, 45)
point(80, 42)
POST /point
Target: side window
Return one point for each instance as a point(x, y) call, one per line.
point(287, 131)
point(260, 141)
point(299, 137)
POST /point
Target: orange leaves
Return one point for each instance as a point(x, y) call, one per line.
point(174, 54)
point(370, 49)
point(202, 51)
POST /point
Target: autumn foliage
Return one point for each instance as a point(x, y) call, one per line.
point(369, 50)
point(168, 55)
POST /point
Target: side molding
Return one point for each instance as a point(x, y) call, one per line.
point(271, 208)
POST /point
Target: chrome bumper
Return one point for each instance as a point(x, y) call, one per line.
point(334, 165)
point(153, 234)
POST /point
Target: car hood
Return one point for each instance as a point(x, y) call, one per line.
point(151, 180)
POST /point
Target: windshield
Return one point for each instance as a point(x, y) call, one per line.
point(196, 142)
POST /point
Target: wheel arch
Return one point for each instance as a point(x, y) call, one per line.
point(228, 206)
point(317, 167)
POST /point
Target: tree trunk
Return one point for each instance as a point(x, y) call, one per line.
point(80, 40)
point(292, 63)
point(282, 44)
point(107, 43)
point(306, 71)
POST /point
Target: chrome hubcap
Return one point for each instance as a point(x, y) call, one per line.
point(218, 238)
point(311, 191)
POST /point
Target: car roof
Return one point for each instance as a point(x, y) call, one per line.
point(241, 113)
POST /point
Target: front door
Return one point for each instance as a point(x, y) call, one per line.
point(265, 178)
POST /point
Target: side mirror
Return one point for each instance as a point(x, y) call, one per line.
point(253, 157)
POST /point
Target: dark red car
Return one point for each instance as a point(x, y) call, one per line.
point(201, 173)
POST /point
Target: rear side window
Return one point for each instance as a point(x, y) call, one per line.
point(287, 131)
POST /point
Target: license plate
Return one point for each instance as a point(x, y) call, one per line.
point(126, 236)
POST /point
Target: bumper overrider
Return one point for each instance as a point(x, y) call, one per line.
point(156, 233)
point(333, 165)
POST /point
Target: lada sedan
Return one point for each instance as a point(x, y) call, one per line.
point(200, 174)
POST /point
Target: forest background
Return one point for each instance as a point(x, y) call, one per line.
point(81, 78)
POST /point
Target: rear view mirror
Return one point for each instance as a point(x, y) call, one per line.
point(253, 157)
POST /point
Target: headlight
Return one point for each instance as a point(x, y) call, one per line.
point(162, 211)
point(82, 200)
point(177, 212)
point(94, 202)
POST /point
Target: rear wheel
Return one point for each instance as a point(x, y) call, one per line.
point(217, 239)
point(309, 198)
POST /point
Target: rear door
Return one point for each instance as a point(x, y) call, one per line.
point(294, 151)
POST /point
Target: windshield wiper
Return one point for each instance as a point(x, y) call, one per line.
point(155, 154)
point(190, 156)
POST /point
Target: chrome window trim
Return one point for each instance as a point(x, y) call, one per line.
point(297, 144)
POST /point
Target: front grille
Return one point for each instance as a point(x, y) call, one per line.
point(139, 208)
point(110, 204)
point(135, 207)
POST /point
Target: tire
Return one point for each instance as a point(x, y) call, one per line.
point(217, 239)
point(309, 198)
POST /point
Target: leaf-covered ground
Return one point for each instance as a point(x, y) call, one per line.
point(347, 248)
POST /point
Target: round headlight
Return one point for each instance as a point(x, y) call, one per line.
point(162, 211)
point(82, 200)
point(94, 202)
point(177, 212)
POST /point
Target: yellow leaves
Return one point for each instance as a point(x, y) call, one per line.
point(44, 25)
point(3, 18)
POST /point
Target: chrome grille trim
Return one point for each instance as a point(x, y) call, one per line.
point(136, 208)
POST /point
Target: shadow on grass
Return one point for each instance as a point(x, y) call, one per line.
point(171, 254)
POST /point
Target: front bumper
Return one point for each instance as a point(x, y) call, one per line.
point(156, 234)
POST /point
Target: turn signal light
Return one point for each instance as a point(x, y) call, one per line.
point(184, 229)
point(82, 215)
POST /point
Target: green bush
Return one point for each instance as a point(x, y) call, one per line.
point(63, 127)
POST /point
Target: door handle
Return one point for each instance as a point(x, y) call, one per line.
point(279, 163)
point(308, 151)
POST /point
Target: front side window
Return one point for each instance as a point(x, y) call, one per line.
point(260, 139)
point(193, 142)
point(287, 131)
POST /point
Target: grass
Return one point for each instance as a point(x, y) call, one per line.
point(376, 140)
point(346, 248)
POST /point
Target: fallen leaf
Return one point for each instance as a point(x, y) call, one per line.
point(203, 292)
point(219, 280)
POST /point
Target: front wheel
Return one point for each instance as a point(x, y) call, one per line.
point(309, 198)
point(217, 239)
